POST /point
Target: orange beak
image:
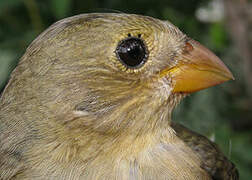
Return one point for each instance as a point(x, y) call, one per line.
point(198, 69)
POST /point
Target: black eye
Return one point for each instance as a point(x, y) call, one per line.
point(132, 52)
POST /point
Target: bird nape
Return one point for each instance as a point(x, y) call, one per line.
point(92, 98)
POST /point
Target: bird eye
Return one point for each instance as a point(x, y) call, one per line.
point(132, 52)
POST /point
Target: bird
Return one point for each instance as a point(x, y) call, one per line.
point(92, 98)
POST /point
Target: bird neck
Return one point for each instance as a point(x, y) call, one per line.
point(139, 116)
point(131, 118)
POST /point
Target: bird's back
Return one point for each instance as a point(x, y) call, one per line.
point(213, 160)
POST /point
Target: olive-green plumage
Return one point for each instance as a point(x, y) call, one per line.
point(75, 108)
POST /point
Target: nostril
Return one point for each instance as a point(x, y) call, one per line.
point(188, 47)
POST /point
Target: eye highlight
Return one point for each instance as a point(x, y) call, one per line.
point(132, 52)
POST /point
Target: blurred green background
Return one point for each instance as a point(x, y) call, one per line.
point(223, 113)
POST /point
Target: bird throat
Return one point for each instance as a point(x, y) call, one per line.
point(135, 115)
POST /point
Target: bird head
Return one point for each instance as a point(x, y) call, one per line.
point(115, 72)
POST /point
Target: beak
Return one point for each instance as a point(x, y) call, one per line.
point(198, 69)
